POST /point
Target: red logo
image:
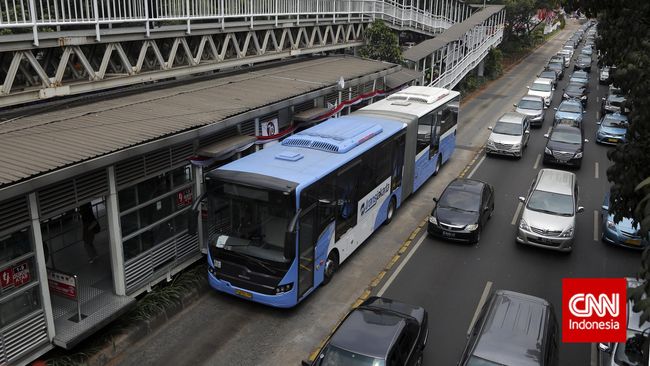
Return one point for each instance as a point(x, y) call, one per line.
point(594, 310)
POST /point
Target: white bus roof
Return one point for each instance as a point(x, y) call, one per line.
point(414, 100)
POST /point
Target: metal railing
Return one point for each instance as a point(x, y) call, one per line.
point(453, 75)
point(35, 14)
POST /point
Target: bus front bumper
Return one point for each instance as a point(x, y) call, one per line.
point(282, 300)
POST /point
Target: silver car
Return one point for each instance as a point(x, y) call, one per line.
point(549, 216)
point(509, 135)
point(533, 107)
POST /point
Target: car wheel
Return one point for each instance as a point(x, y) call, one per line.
point(478, 235)
point(331, 266)
point(391, 211)
point(420, 360)
point(491, 211)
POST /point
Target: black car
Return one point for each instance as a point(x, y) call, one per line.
point(558, 68)
point(583, 63)
point(576, 91)
point(549, 74)
point(462, 210)
point(380, 331)
point(565, 146)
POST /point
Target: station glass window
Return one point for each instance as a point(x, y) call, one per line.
point(155, 210)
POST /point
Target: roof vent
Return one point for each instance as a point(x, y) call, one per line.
point(338, 135)
point(289, 156)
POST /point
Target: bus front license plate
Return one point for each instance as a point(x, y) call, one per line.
point(243, 293)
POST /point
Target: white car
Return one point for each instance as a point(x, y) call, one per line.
point(510, 135)
point(569, 49)
point(542, 88)
point(567, 57)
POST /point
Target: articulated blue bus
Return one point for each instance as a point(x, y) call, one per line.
point(283, 219)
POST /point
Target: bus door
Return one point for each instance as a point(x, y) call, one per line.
point(435, 134)
point(306, 250)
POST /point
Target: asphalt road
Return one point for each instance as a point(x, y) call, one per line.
point(448, 278)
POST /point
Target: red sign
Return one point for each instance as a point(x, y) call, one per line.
point(594, 310)
point(184, 198)
point(15, 276)
point(62, 284)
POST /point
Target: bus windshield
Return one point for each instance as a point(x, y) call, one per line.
point(249, 221)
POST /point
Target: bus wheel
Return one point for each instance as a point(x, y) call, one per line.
point(331, 266)
point(391, 211)
point(438, 165)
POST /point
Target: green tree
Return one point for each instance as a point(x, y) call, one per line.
point(381, 43)
point(624, 34)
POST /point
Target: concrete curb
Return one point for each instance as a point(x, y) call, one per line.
point(141, 329)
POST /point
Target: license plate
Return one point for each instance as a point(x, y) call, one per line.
point(447, 234)
point(612, 140)
point(633, 241)
point(243, 293)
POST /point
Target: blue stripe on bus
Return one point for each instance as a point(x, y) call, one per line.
point(424, 168)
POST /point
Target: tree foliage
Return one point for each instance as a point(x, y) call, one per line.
point(624, 41)
point(381, 43)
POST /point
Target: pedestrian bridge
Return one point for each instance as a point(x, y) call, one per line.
point(52, 48)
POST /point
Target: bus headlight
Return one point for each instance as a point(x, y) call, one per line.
point(284, 288)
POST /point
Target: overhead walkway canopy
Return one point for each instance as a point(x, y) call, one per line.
point(453, 33)
point(101, 133)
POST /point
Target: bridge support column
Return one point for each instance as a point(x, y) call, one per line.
point(481, 68)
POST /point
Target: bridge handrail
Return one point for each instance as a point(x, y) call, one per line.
point(16, 14)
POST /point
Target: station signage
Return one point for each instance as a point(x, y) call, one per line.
point(15, 275)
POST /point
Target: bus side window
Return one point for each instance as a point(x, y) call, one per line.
point(326, 202)
point(382, 163)
point(347, 183)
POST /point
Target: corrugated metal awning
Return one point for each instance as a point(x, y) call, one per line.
point(402, 77)
point(453, 33)
point(226, 147)
point(65, 137)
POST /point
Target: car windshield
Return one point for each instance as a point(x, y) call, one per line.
point(335, 356)
point(570, 108)
point(567, 137)
point(547, 74)
point(541, 87)
point(531, 104)
point(586, 60)
point(504, 128)
point(623, 358)
point(477, 361)
point(460, 200)
point(575, 89)
point(551, 203)
point(610, 121)
point(247, 220)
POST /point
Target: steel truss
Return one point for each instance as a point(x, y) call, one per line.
point(75, 69)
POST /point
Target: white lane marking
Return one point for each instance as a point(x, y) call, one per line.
point(539, 157)
point(595, 225)
point(514, 218)
point(401, 265)
point(596, 170)
point(549, 130)
point(476, 167)
point(479, 306)
point(597, 115)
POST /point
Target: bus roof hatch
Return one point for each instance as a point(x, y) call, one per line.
point(339, 135)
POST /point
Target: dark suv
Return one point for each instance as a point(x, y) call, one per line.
point(380, 331)
point(513, 329)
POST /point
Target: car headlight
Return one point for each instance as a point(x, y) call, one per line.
point(433, 220)
point(583, 97)
point(567, 233)
point(548, 151)
point(490, 143)
point(524, 225)
point(578, 155)
point(565, 95)
point(611, 225)
point(516, 146)
point(471, 227)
